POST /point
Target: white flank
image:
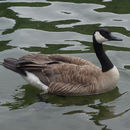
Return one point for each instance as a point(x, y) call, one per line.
point(99, 38)
point(35, 81)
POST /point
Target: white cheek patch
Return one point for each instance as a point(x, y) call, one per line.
point(99, 38)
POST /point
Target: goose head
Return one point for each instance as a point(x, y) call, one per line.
point(101, 35)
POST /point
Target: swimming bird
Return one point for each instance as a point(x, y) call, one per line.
point(67, 75)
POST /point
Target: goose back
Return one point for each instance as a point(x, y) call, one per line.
point(64, 75)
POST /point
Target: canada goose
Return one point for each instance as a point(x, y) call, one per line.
point(66, 75)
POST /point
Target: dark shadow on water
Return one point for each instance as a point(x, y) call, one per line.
point(63, 101)
point(27, 95)
point(23, 97)
point(127, 67)
point(28, 23)
point(115, 6)
point(104, 113)
point(4, 46)
point(57, 48)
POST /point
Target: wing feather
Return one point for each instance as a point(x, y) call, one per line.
point(63, 74)
point(69, 89)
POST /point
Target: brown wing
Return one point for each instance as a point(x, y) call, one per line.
point(63, 74)
point(44, 59)
point(70, 79)
point(61, 88)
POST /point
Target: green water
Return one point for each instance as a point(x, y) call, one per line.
point(63, 27)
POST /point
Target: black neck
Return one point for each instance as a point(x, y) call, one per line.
point(104, 60)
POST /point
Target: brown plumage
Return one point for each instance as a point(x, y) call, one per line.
point(63, 75)
point(66, 75)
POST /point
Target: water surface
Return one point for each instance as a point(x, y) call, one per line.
point(63, 27)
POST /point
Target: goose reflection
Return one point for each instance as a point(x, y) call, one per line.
point(28, 95)
point(104, 112)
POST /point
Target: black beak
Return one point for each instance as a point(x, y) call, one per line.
point(113, 38)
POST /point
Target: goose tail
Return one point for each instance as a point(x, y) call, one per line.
point(11, 64)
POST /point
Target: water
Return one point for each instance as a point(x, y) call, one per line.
point(63, 27)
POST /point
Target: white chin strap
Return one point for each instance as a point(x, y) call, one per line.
point(99, 38)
